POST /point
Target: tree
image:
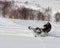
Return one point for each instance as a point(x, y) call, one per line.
point(25, 13)
point(47, 13)
point(40, 16)
point(6, 7)
point(57, 17)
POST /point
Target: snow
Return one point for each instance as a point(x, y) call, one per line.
point(54, 4)
point(14, 33)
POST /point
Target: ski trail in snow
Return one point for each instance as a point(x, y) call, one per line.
point(52, 35)
point(17, 34)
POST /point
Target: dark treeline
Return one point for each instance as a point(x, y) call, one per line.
point(9, 11)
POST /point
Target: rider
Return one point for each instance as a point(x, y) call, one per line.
point(47, 27)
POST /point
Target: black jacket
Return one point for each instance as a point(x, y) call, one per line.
point(47, 27)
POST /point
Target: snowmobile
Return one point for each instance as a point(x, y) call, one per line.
point(38, 31)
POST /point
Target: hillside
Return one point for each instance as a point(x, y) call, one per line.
point(15, 34)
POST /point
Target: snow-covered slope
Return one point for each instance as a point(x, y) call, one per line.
point(15, 34)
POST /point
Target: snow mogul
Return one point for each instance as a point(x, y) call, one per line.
point(46, 29)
